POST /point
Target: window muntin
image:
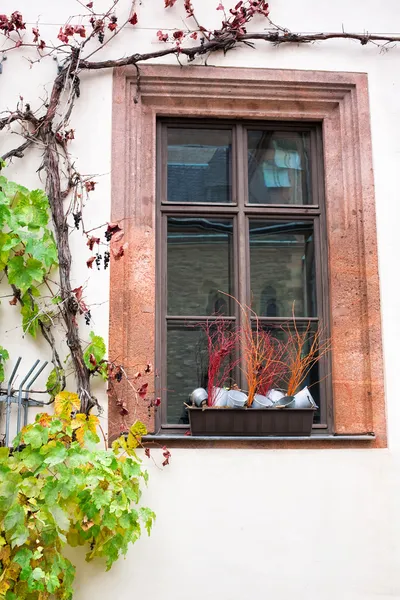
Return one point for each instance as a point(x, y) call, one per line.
point(297, 222)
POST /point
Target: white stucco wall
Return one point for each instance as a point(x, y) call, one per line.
point(236, 524)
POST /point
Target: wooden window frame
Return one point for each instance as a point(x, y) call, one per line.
point(241, 211)
point(339, 103)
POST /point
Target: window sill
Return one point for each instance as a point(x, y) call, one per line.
point(164, 437)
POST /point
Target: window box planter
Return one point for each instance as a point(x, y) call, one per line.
point(250, 422)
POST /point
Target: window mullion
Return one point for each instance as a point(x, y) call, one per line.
point(243, 273)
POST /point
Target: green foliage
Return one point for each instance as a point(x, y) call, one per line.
point(56, 488)
point(53, 385)
point(27, 247)
point(3, 357)
point(94, 355)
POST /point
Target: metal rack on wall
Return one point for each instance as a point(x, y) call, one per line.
point(20, 397)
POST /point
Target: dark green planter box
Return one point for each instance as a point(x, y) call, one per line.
point(250, 421)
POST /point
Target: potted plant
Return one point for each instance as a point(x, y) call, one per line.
point(268, 364)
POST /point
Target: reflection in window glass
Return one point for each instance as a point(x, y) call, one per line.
point(187, 367)
point(282, 268)
point(199, 259)
point(279, 167)
point(199, 165)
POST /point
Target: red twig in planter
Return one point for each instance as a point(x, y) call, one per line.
point(221, 348)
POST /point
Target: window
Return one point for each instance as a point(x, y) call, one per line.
point(335, 102)
point(241, 213)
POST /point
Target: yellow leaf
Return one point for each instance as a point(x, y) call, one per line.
point(65, 403)
point(44, 419)
point(83, 423)
point(136, 432)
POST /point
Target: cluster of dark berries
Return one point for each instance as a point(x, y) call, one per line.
point(98, 260)
point(108, 235)
point(101, 37)
point(106, 258)
point(77, 218)
point(88, 317)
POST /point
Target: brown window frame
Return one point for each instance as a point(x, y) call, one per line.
point(241, 211)
point(339, 102)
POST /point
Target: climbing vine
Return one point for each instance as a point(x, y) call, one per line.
point(57, 488)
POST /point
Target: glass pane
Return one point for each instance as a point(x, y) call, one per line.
point(199, 165)
point(306, 332)
point(199, 257)
point(279, 167)
point(187, 367)
point(282, 268)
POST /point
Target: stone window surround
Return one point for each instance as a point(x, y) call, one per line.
point(340, 102)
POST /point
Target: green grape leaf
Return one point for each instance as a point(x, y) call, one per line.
point(43, 249)
point(35, 435)
point(23, 273)
point(30, 315)
point(53, 383)
point(3, 357)
point(23, 558)
point(15, 517)
point(60, 517)
point(95, 352)
point(29, 209)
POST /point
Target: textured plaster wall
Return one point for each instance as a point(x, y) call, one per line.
point(248, 523)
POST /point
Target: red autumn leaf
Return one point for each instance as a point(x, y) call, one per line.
point(142, 391)
point(80, 30)
point(220, 6)
point(78, 292)
point(92, 360)
point(42, 45)
point(112, 229)
point(177, 35)
point(92, 241)
point(163, 37)
point(89, 4)
point(157, 402)
point(194, 35)
point(123, 411)
point(169, 3)
point(36, 34)
point(112, 26)
point(119, 252)
point(89, 262)
point(147, 452)
point(133, 20)
point(89, 185)
point(62, 36)
point(14, 301)
point(78, 295)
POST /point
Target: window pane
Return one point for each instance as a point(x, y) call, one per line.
point(187, 366)
point(199, 266)
point(282, 268)
point(199, 165)
point(279, 167)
